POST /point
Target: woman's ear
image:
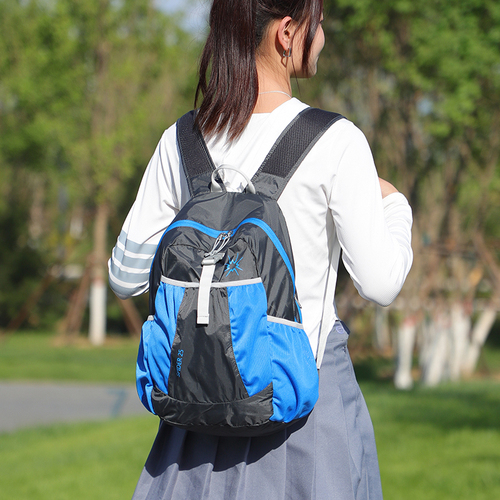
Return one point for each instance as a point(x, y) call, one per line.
point(285, 33)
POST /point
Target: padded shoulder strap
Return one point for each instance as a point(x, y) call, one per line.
point(290, 149)
point(195, 158)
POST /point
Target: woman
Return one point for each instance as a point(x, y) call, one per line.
point(334, 201)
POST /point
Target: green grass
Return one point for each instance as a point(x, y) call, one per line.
point(91, 461)
point(441, 443)
point(36, 356)
point(489, 362)
point(434, 444)
point(438, 444)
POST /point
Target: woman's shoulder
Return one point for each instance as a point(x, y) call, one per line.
point(343, 128)
point(169, 134)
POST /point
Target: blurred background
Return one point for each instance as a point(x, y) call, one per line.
point(87, 87)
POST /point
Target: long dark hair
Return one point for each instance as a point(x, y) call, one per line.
point(236, 29)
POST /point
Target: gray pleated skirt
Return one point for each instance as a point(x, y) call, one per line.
point(331, 455)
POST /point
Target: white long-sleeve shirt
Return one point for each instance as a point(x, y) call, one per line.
point(333, 202)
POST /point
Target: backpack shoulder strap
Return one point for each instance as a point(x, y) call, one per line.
point(195, 158)
point(290, 149)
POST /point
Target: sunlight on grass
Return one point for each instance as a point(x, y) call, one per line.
point(36, 356)
point(438, 444)
point(434, 444)
point(95, 461)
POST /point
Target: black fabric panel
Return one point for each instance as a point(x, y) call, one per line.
point(290, 149)
point(154, 279)
point(181, 250)
point(195, 158)
point(201, 184)
point(224, 211)
point(273, 271)
point(208, 371)
point(246, 417)
point(167, 262)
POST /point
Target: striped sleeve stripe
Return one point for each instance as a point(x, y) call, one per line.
point(131, 285)
point(122, 250)
point(129, 266)
point(125, 290)
point(132, 270)
point(136, 248)
point(126, 277)
point(124, 260)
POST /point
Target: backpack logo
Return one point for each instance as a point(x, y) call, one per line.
point(178, 364)
point(233, 265)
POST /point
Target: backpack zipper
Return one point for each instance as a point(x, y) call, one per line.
point(225, 236)
point(215, 255)
point(207, 274)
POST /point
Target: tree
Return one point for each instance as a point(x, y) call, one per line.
point(420, 80)
point(85, 91)
point(128, 85)
point(34, 91)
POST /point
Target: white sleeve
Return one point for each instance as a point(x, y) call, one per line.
point(157, 203)
point(374, 233)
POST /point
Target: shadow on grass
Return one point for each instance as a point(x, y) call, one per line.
point(377, 369)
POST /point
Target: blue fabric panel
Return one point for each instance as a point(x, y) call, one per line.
point(248, 317)
point(153, 364)
point(295, 377)
point(143, 379)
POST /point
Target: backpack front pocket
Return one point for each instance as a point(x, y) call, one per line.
point(248, 319)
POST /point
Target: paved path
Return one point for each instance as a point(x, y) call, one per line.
point(29, 404)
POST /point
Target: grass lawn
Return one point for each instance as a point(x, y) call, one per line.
point(438, 444)
point(92, 461)
point(38, 356)
point(434, 444)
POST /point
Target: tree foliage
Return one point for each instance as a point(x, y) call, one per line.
point(422, 80)
point(86, 89)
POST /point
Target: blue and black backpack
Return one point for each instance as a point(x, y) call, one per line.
point(223, 350)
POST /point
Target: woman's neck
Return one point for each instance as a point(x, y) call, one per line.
point(274, 86)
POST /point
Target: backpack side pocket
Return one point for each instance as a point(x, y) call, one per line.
point(154, 357)
point(295, 376)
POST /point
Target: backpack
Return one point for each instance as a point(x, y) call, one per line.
point(223, 351)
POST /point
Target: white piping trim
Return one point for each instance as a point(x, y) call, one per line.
point(218, 284)
point(287, 322)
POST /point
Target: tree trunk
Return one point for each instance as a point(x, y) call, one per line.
point(436, 366)
point(98, 286)
point(131, 316)
point(460, 328)
point(479, 335)
point(406, 341)
point(382, 337)
point(72, 323)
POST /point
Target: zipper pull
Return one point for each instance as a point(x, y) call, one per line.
point(220, 242)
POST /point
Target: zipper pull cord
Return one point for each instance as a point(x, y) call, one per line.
point(221, 241)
